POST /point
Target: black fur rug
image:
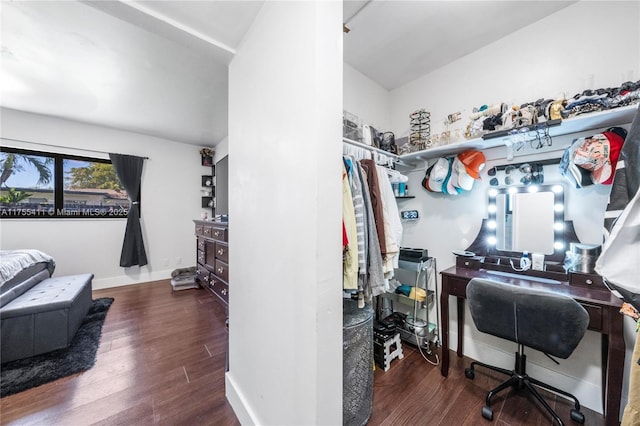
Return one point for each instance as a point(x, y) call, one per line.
point(22, 374)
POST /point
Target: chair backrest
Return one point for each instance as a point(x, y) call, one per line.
point(550, 322)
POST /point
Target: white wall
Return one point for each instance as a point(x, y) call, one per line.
point(366, 98)
point(285, 307)
point(221, 150)
point(551, 57)
point(546, 59)
point(170, 201)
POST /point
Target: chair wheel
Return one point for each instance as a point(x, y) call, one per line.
point(469, 373)
point(487, 412)
point(577, 416)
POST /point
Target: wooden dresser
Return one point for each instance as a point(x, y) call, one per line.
point(213, 257)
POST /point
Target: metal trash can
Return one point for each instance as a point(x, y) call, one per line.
point(357, 363)
point(585, 256)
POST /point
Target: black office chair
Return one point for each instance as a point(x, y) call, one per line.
point(552, 323)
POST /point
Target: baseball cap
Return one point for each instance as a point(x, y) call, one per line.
point(581, 177)
point(449, 187)
point(464, 181)
point(474, 161)
point(592, 153)
point(425, 179)
point(438, 175)
point(599, 154)
point(616, 141)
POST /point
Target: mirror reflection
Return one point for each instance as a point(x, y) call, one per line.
point(525, 222)
point(527, 218)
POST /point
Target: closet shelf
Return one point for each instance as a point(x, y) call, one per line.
point(581, 123)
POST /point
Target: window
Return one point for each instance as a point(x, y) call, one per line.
point(46, 185)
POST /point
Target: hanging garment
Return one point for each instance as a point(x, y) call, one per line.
point(626, 180)
point(350, 262)
point(358, 205)
point(619, 262)
point(391, 222)
point(620, 258)
point(373, 281)
point(369, 166)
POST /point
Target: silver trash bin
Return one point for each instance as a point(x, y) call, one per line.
point(357, 363)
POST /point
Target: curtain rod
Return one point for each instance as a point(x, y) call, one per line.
point(64, 147)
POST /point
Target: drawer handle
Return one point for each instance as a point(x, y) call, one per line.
point(206, 278)
point(466, 263)
point(220, 270)
point(223, 291)
point(216, 233)
point(589, 281)
point(220, 252)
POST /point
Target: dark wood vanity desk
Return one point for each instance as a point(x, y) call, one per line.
point(602, 306)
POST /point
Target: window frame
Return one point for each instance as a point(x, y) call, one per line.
point(59, 211)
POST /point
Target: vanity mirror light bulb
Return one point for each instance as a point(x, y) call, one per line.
point(493, 192)
point(491, 224)
point(557, 189)
point(533, 188)
point(491, 208)
point(558, 245)
point(491, 241)
point(558, 207)
point(558, 226)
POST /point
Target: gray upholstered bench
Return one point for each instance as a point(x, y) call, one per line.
point(45, 317)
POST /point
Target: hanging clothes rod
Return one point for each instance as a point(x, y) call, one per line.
point(62, 146)
point(379, 151)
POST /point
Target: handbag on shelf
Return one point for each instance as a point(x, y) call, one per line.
point(388, 142)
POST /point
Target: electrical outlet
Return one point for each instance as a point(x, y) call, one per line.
point(178, 260)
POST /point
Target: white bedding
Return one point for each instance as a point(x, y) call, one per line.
point(14, 261)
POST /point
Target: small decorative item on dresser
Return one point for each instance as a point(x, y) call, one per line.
point(207, 156)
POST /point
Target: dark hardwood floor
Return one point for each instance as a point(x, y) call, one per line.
point(162, 360)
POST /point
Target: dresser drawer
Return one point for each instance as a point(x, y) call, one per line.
point(221, 289)
point(587, 280)
point(222, 270)
point(203, 276)
point(201, 257)
point(199, 230)
point(219, 234)
point(206, 231)
point(222, 251)
point(200, 244)
point(457, 286)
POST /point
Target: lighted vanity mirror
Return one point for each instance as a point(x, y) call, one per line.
point(526, 218)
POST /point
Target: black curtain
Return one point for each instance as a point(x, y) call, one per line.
point(129, 171)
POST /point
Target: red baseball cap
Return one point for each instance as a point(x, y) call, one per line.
point(474, 162)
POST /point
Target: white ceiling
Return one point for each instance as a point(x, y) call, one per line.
point(395, 42)
point(160, 67)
